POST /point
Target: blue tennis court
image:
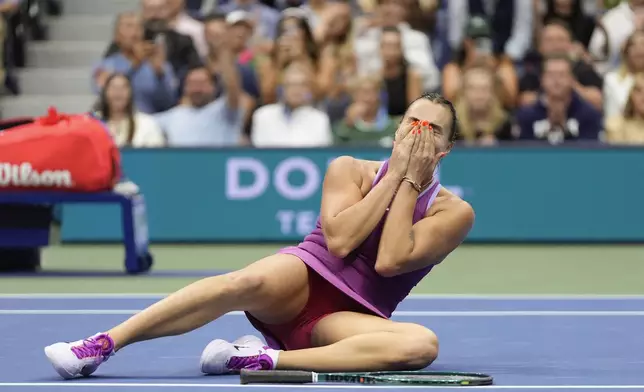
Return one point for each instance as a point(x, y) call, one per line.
point(536, 343)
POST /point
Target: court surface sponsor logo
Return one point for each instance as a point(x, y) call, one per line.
point(23, 174)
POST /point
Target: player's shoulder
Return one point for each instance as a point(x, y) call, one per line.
point(449, 201)
point(362, 171)
point(345, 162)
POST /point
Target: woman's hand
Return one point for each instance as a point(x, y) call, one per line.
point(424, 157)
point(402, 151)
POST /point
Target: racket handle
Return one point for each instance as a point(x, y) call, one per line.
point(275, 377)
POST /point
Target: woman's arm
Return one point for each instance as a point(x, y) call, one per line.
point(414, 85)
point(267, 80)
point(327, 69)
point(509, 82)
point(451, 81)
point(350, 210)
point(406, 247)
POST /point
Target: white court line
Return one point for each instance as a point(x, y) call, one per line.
point(314, 386)
point(409, 313)
point(555, 297)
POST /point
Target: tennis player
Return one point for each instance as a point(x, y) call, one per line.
point(325, 304)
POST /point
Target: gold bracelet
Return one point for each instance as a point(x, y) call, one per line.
point(413, 183)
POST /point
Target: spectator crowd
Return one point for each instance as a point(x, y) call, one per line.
point(315, 73)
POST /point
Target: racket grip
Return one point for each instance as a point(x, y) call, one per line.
point(275, 377)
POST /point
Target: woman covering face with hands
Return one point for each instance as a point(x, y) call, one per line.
point(325, 304)
point(420, 147)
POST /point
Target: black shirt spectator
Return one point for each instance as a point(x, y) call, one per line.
point(555, 40)
point(583, 72)
point(559, 114)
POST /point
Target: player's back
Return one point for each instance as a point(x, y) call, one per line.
point(356, 274)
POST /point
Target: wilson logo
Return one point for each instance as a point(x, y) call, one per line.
point(24, 175)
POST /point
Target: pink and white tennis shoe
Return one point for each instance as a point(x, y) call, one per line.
point(80, 358)
point(247, 352)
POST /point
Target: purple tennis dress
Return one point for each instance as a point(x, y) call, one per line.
point(355, 274)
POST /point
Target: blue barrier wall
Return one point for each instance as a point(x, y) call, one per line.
point(519, 194)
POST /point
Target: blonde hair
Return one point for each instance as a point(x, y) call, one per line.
point(627, 128)
point(496, 115)
point(623, 70)
point(629, 108)
point(360, 80)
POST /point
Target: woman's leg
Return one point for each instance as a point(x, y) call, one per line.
point(348, 341)
point(278, 283)
point(278, 279)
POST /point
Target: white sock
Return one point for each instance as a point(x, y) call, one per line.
point(274, 354)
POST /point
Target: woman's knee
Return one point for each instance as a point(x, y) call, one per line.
point(417, 349)
point(258, 287)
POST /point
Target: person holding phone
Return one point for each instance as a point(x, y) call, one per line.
point(179, 49)
point(478, 51)
point(143, 62)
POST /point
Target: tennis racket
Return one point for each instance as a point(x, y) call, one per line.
point(406, 377)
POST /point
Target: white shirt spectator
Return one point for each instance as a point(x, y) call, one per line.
point(275, 126)
point(617, 88)
point(619, 23)
point(213, 125)
point(147, 132)
point(417, 51)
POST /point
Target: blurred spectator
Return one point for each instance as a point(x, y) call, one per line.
point(201, 120)
point(315, 11)
point(618, 83)
point(476, 50)
point(294, 122)
point(482, 119)
point(416, 46)
point(572, 13)
point(403, 84)
point(144, 63)
point(628, 128)
point(560, 113)
point(182, 23)
point(618, 24)
point(294, 43)
point(179, 49)
point(217, 30)
point(422, 15)
point(128, 126)
point(265, 18)
point(8, 9)
point(366, 123)
point(235, 28)
point(512, 21)
point(240, 27)
point(556, 40)
point(335, 36)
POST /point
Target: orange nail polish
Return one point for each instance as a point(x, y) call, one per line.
point(425, 123)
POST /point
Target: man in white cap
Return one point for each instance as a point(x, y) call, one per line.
point(265, 18)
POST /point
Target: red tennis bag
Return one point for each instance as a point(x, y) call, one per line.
point(62, 152)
